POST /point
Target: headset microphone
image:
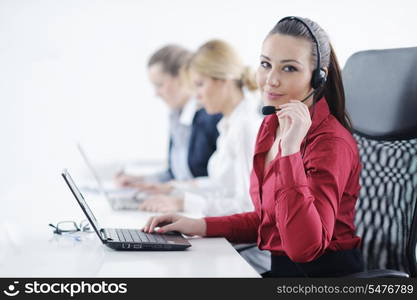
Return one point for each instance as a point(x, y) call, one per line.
point(269, 110)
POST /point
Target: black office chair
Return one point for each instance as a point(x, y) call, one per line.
point(381, 98)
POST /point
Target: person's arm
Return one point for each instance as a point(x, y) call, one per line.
point(211, 203)
point(173, 222)
point(238, 228)
point(163, 176)
point(307, 204)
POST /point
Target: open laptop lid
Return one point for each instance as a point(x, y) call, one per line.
point(81, 201)
point(107, 192)
point(93, 171)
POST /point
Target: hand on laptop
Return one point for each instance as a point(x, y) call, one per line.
point(173, 222)
point(163, 203)
point(153, 188)
point(126, 180)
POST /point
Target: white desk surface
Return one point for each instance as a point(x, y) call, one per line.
point(28, 248)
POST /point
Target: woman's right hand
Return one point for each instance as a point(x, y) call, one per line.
point(173, 222)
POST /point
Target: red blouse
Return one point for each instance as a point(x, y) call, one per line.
point(304, 204)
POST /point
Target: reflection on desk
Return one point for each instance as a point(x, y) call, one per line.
point(31, 249)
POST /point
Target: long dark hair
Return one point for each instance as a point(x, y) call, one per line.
point(333, 90)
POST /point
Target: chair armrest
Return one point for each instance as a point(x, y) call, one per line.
point(380, 273)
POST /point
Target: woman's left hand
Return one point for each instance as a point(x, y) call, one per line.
point(295, 121)
point(163, 203)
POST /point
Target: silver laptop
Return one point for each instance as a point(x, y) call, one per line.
point(127, 239)
point(118, 198)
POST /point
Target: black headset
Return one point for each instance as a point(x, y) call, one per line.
point(319, 77)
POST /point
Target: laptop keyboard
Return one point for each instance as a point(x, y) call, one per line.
point(137, 236)
point(121, 204)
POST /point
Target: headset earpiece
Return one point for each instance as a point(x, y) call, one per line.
point(318, 78)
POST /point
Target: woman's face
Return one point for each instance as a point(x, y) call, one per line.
point(167, 87)
point(285, 69)
point(209, 91)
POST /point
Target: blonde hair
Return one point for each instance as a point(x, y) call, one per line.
point(217, 59)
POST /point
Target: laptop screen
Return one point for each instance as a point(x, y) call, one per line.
point(91, 168)
point(84, 206)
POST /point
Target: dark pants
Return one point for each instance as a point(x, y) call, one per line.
point(331, 264)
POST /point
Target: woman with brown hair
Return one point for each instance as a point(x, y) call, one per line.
point(305, 178)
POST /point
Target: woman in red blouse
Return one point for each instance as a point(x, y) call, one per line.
point(305, 178)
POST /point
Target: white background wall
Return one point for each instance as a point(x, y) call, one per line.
point(75, 70)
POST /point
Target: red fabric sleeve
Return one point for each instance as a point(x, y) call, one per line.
point(307, 205)
point(237, 228)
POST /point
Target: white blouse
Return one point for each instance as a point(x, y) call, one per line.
point(226, 188)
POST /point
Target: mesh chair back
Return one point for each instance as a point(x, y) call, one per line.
point(381, 98)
